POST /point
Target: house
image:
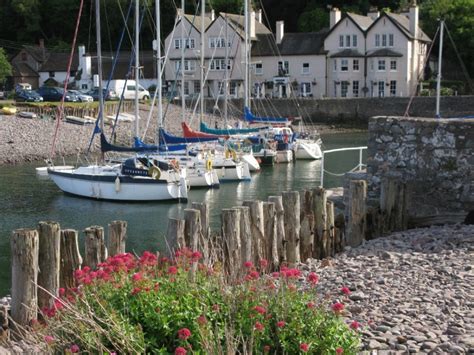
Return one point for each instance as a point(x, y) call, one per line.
point(26, 63)
point(376, 55)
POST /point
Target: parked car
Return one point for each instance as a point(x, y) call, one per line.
point(82, 97)
point(56, 94)
point(28, 96)
point(22, 86)
point(110, 95)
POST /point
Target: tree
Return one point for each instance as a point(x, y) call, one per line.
point(313, 20)
point(5, 67)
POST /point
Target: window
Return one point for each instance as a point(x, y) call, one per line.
point(341, 41)
point(355, 65)
point(335, 88)
point(381, 65)
point(390, 40)
point(190, 43)
point(381, 89)
point(355, 88)
point(348, 40)
point(377, 40)
point(186, 88)
point(354, 40)
point(233, 88)
point(305, 89)
point(344, 87)
point(189, 65)
point(393, 88)
point(384, 40)
point(197, 86)
point(305, 69)
point(219, 64)
point(393, 65)
point(52, 74)
point(344, 65)
point(218, 42)
point(283, 68)
point(371, 65)
point(258, 69)
point(335, 65)
point(177, 44)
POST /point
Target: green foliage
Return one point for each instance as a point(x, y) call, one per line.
point(5, 67)
point(157, 306)
point(313, 20)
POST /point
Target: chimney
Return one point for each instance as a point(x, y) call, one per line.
point(43, 50)
point(259, 15)
point(373, 13)
point(334, 17)
point(213, 15)
point(280, 31)
point(252, 24)
point(413, 17)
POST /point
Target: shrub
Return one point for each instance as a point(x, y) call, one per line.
point(160, 306)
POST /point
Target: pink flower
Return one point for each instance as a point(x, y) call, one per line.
point(248, 264)
point(172, 270)
point(339, 350)
point(263, 263)
point(252, 275)
point(337, 307)
point(137, 276)
point(61, 291)
point(202, 319)
point(260, 309)
point(196, 256)
point(345, 290)
point(74, 348)
point(49, 339)
point(215, 307)
point(310, 305)
point(259, 326)
point(304, 347)
point(313, 278)
point(184, 333)
point(180, 351)
point(354, 325)
point(281, 324)
point(136, 290)
point(275, 274)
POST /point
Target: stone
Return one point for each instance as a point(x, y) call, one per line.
point(374, 344)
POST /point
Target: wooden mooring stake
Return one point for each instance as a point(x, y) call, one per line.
point(117, 237)
point(291, 204)
point(232, 246)
point(95, 250)
point(71, 259)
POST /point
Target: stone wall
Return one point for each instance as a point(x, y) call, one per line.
point(435, 157)
point(356, 111)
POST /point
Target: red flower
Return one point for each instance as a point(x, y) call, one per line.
point(202, 319)
point(263, 263)
point(252, 275)
point(136, 290)
point(49, 339)
point(248, 264)
point(259, 326)
point(345, 290)
point(339, 350)
point(260, 309)
point(74, 348)
point(304, 347)
point(275, 274)
point(354, 325)
point(281, 324)
point(313, 278)
point(337, 307)
point(196, 256)
point(310, 305)
point(215, 307)
point(137, 276)
point(184, 333)
point(180, 351)
point(61, 291)
point(172, 270)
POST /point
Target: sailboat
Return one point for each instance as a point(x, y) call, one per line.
point(135, 179)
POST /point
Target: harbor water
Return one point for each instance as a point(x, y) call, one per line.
point(26, 200)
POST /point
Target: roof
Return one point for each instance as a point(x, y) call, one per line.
point(384, 52)
point(237, 22)
point(347, 53)
point(59, 62)
point(307, 43)
point(403, 23)
point(363, 22)
point(195, 20)
point(147, 61)
point(23, 69)
point(36, 52)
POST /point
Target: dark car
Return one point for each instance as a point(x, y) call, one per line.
point(28, 96)
point(110, 95)
point(56, 94)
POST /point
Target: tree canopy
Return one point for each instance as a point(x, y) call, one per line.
point(5, 67)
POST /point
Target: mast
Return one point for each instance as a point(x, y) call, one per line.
point(201, 96)
point(137, 64)
point(99, 63)
point(438, 77)
point(183, 44)
point(226, 76)
point(246, 52)
point(158, 64)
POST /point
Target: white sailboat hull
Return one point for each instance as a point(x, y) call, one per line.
point(251, 161)
point(200, 178)
point(308, 150)
point(284, 156)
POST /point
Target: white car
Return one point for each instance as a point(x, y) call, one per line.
point(82, 97)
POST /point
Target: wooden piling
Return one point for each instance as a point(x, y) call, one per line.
point(393, 205)
point(71, 259)
point(4, 328)
point(307, 224)
point(246, 234)
point(291, 203)
point(95, 250)
point(175, 232)
point(117, 237)
point(231, 243)
point(205, 234)
point(280, 227)
point(48, 263)
point(330, 245)
point(24, 246)
point(339, 230)
point(192, 233)
point(271, 241)
point(320, 221)
point(258, 228)
point(357, 218)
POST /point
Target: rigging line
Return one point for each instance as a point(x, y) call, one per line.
point(125, 20)
point(108, 25)
point(90, 27)
point(463, 67)
point(420, 75)
point(60, 111)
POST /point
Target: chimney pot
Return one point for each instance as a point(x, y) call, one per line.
point(280, 31)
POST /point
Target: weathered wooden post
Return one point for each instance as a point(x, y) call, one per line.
point(48, 263)
point(205, 234)
point(291, 203)
point(71, 259)
point(307, 224)
point(271, 241)
point(357, 217)
point(258, 228)
point(24, 246)
point(95, 250)
point(175, 232)
point(246, 234)
point(280, 226)
point(393, 205)
point(4, 328)
point(339, 239)
point(192, 233)
point(117, 237)
point(320, 224)
point(231, 242)
point(330, 228)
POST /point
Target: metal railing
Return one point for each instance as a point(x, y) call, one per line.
point(358, 167)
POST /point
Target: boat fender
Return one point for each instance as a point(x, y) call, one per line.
point(227, 154)
point(209, 164)
point(117, 184)
point(234, 155)
point(223, 171)
point(154, 172)
point(174, 164)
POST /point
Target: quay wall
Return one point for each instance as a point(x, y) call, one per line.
point(434, 157)
point(353, 110)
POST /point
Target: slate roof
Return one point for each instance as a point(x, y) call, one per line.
point(384, 52)
point(363, 22)
point(37, 52)
point(59, 62)
point(237, 22)
point(403, 23)
point(147, 61)
point(347, 53)
point(309, 43)
point(195, 20)
point(23, 70)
